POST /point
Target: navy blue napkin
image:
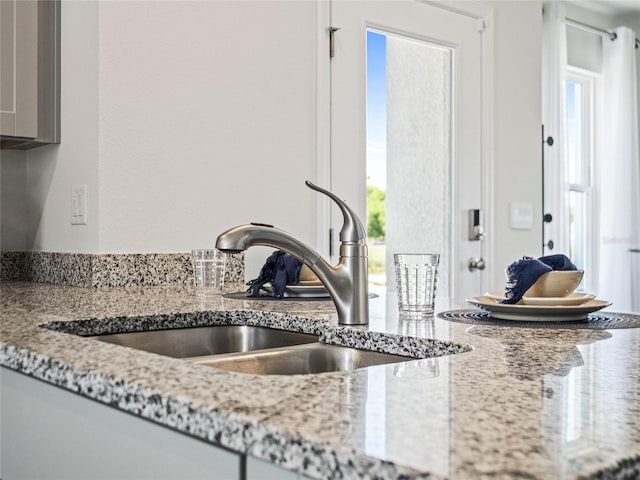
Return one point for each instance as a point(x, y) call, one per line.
point(524, 273)
point(280, 269)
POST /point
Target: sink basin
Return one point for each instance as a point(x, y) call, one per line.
point(213, 340)
point(301, 359)
point(262, 350)
point(249, 349)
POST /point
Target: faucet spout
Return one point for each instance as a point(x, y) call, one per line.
point(346, 282)
point(240, 238)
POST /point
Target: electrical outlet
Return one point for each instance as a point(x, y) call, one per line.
point(79, 205)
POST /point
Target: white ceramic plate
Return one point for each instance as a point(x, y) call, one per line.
point(537, 313)
point(573, 299)
point(498, 296)
point(301, 290)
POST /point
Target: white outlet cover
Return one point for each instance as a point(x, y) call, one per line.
point(520, 216)
point(79, 205)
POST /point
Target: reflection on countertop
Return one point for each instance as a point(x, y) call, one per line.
point(529, 357)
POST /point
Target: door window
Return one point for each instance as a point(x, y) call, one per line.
point(409, 114)
point(579, 153)
point(420, 149)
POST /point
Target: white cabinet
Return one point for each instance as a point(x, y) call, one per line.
point(19, 68)
point(260, 470)
point(29, 72)
point(48, 432)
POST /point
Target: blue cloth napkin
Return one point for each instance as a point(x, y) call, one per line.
point(524, 273)
point(280, 269)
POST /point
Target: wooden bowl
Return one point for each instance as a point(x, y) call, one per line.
point(307, 277)
point(558, 283)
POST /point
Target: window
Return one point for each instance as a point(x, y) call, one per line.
point(578, 160)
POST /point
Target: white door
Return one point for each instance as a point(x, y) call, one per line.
point(433, 136)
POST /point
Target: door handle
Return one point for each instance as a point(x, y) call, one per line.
point(476, 264)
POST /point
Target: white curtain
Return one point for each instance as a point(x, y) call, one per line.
point(617, 176)
point(554, 62)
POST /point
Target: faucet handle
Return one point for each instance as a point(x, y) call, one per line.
point(352, 229)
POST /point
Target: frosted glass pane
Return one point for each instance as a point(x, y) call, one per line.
point(575, 133)
point(418, 196)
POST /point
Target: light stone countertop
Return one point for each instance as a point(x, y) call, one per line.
point(523, 403)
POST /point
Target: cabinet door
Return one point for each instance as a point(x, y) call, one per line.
point(261, 470)
point(18, 68)
point(48, 432)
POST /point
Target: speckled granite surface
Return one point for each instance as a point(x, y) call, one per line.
point(524, 403)
point(108, 270)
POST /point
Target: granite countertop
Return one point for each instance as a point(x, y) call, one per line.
point(521, 403)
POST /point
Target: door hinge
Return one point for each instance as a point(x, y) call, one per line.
point(332, 44)
point(481, 25)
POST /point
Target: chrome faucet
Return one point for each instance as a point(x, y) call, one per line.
point(347, 282)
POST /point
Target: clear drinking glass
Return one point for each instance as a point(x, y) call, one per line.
point(208, 272)
point(416, 279)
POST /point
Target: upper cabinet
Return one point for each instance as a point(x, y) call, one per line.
point(29, 73)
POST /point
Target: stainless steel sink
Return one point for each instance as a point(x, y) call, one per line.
point(300, 360)
point(213, 340)
point(249, 349)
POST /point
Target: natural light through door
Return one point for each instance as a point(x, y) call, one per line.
point(428, 133)
point(409, 114)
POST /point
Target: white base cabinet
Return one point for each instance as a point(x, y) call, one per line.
point(50, 433)
point(53, 434)
point(260, 470)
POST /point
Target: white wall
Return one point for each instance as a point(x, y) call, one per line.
point(517, 129)
point(13, 209)
point(207, 120)
point(54, 169)
point(185, 118)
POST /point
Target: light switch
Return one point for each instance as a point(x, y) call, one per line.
point(79, 205)
point(520, 216)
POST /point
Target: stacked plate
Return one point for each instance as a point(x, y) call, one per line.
point(575, 306)
point(304, 289)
